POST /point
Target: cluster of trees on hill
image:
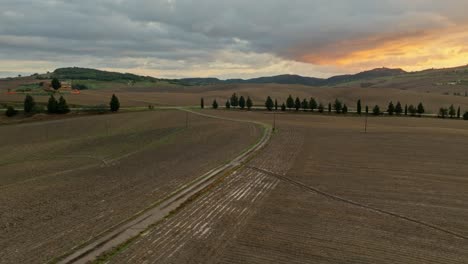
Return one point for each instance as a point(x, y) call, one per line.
point(338, 107)
point(54, 106)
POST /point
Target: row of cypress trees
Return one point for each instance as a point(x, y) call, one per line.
point(54, 106)
point(338, 107)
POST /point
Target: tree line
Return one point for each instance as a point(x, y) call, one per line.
point(54, 106)
point(337, 106)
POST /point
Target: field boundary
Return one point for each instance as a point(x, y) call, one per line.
point(134, 226)
point(367, 207)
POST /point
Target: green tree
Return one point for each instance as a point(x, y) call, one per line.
point(114, 103)
point(297, 103)
point(465, 116)
point(215, 104)
point(359, 107)
point(367, 109)
point(391, 108)
point(305, 105)
point(276, 105)
point(458, 112)
point(338, 106)
point(320, 108)
point(52, 105)
point(313, 104)
point(329, 107)
point(290, 102)
point(56, 84)
point(345, 109)
point(398, 108)
point(234, 100)
point(202, 103)
point(11, 111)
point(420, 109)
point(62, 106)
point(29, 104)
point(283, 107)
point(443, 112)
point(228, 105)
point(412, 110)
point(376, 110)
point(269, 103)
point(242, 102)
point(406, 109)
point(452, 111)
point(249, 103)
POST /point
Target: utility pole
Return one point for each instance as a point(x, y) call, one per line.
point(274, 121)
point(365, 126)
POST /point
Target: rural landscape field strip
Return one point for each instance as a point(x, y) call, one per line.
point(133, 228)
point(201, 231)
point(46, 215)
point(341, 199)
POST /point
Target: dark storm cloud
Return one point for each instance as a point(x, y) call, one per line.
point(194, 32)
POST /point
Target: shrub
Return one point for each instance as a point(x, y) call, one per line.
point(11, 111)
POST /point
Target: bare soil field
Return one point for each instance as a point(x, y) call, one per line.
point(433, 98)
point(64, 182)
point(324, 192)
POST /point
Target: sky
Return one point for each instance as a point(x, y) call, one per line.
point(232, 38)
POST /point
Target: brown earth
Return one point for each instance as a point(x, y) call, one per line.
point(64, 182)
point(324, 192)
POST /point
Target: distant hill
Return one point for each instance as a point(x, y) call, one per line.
point(297, 79)
point(75, 73)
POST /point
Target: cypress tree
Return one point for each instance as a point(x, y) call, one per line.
point(269, 103)
point(452, 111)
point(62, 106)
point(242, 102)
point(329, 108)
point(359, 107)
point(412, 110)
point(215, 104)
point(52, 105)
point(305, 105)
point(420, 109)
point(228, 105)
point(276, 105)
point(398, 108)
point(297, 103)
point(234, 100)
point(443, 112)
point(367, 109)
point(202, 103)
point(406, 109)
point(290, 102)
point(56, 84)
point(283, 107)
point(313, 104)
point(338, 106)
point(376, 110)
point(458, 112)
point(249, 103)
point(29, 104)
point(345, 109)
point(114, 103)
point(391, 108)
point(320, 108)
